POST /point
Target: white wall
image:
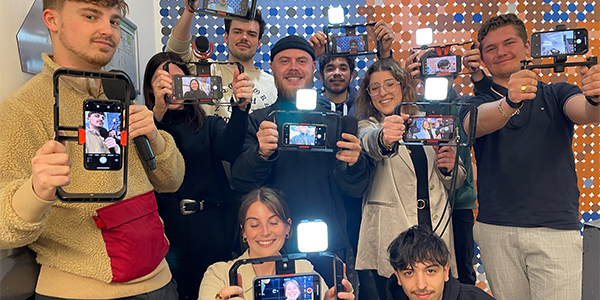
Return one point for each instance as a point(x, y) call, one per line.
point(143, 13)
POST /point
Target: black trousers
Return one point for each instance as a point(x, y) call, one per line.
point(167, 292)
point(464, 245)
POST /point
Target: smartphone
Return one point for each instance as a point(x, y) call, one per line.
point(301, 286)
point(552, 43)
point(349, 43)
point(102, 149)
point(442, 65)
point(305, 134)
point(429, 128)
point(198, 87)
point(236, 7)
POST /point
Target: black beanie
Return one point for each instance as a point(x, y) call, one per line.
point(292, 42)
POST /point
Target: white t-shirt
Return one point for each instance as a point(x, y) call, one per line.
point(265, 92)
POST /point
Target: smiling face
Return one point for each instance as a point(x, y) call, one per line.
point(384, 101)
point(242, 40)
point(503, 50)
point(84, 36)
point(293, 69)
point(423, 280)
point(336, 75)
point(194, 85)
point(292, 291)
point(264, 230)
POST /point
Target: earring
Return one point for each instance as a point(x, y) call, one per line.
point(287, 236)
point(245, 240)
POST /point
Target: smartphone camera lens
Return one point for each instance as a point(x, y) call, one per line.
point(578, 41)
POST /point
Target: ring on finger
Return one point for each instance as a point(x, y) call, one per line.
point(158, 84)
point(523, 88)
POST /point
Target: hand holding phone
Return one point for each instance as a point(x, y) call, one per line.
point(318, 42)
point(243, 88)
point(444, 157)
point(350, 149)
point(50, 169)
point(393, 128)
point(162, 87)
point(267, 139)
point(522, 85)
point(385, 34)
point(590, 81)
point(412, 65)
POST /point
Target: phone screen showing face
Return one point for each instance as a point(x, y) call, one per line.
point(296, 134)
point(429, 128)
point(349, 44)
point(441, 65)
point(102, 149)
point(294, 287)
point(236, 7)
point(552, 43)
point(198, 87)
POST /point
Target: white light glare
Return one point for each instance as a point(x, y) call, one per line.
point(312, 236)
point(424, 36)
point(436, 88)
point(335, 15)
point(306, 99)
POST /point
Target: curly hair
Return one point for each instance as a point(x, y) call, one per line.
point(501, 21)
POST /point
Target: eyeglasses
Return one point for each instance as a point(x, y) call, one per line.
point(389, 86)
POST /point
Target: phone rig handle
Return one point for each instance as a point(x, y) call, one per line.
point(560, 64)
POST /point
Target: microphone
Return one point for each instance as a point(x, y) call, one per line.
point(115, 89)
point(104, 133)
point(202, 48)
point(349, 125)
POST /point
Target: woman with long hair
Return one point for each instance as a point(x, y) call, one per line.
point(409, 186)
point(199, 218)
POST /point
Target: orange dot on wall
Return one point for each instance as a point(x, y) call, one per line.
point(521, 7)
point(405, 2)
point(388, 18)
point(378, 11)
point(396, 10)
point(503, 8)
point(414, 10)
point(423, 19)
point(397, 27)
point(406, 36)
point(476, 9)
point(424, 2)
point(460, 9)
point(449, 9)
point(432, 18)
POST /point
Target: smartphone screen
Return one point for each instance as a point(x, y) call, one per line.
point(301, 134)
point(236, 7)
point(102, 149)
point(349, 44)
point(429, 128)
point(198, 87)
point(297, 286)
point(552, 43)
point(441, 65)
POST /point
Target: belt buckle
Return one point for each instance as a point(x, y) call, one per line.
point(182, 208)
point(420, 203)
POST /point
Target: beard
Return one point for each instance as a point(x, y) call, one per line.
point(290, 93)
point(97, 61)
point(334, 90)
point(241, 55)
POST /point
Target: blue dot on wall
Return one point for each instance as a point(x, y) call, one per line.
point(555, 17)
point(361, 64)
point(220, 31)
point(547, 1)
point(555, 7)
point(458, 18)
point(580, 17)
point(564, 16)
point(308, 11)
point(221, 48)
point(547, 16)
point(585, 216)
point(266, 57)
point(164, 40)
point(309, 30)
point(589, 7)
point(273, 11)
point(165, 21)
point(572, 7)
point(164, 12)
point(291, 30)
point(202, 30)
point(477, 18)
point(587, 183)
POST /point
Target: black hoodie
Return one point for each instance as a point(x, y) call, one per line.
point(453, 290)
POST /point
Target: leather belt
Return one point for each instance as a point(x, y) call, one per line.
point(190, 206)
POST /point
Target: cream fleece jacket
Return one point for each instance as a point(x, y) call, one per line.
point(69, 246)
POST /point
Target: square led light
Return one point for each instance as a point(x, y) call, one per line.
point(306, 99)
point(335, 15)
point(312, 236)
point(424, 36)
point(436, 88)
